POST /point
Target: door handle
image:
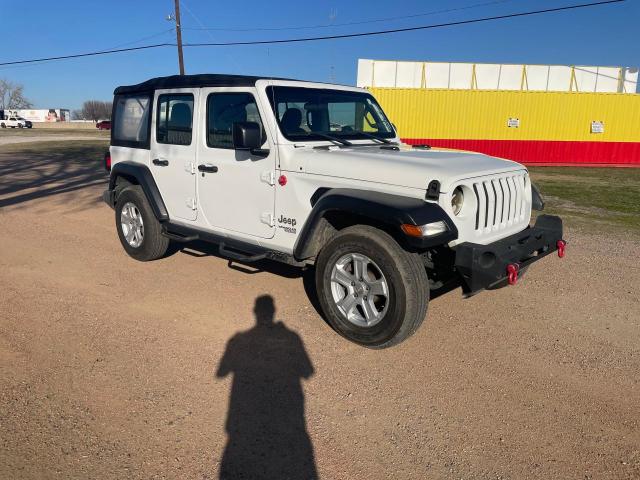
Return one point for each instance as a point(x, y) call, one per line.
point(208, 168)
point(161, 163)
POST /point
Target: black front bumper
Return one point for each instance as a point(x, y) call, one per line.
point(485, 266)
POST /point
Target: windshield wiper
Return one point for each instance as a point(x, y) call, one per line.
point(344, 142)
point(373, 137)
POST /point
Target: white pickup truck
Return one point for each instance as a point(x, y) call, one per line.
point(312, 174)
point(13, 121)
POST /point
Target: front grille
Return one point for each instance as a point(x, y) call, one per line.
point(501, 201)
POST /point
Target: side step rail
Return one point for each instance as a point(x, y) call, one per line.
point(239, 256)
point(176, 237)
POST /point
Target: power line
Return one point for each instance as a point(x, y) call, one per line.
point(114, 49)
point(155, 35)
point(321, 38)
point(360, 22)
point(89, 54)
point(406, 29)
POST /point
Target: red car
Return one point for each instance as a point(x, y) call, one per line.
point(104, 125)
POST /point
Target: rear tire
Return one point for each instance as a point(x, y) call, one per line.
point(380, 307)
point(138, 229)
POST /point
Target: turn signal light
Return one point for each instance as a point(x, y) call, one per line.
point(426, 230)
point(411, 230)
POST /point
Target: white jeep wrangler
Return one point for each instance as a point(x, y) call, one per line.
point(315, 174)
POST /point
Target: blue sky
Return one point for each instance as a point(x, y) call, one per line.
point(606, 35)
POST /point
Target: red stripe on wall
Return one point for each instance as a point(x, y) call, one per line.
point(546, 151)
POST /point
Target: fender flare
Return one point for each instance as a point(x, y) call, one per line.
point(143, 177)
point(382, 208)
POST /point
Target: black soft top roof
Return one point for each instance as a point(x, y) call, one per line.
point(186, 81)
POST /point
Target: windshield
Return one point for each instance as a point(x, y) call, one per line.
point(315, 113)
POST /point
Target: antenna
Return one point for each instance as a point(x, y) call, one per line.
point(333, 15)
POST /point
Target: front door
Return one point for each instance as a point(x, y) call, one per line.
point(236, 189)
point(173, 150)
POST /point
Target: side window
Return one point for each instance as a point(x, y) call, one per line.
point(174, 119)
point(131, 121)
point(225, 109)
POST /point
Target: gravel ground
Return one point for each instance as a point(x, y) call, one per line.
point(111, 368)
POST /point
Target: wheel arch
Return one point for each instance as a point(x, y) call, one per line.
point(136, 174)
point(335, 209)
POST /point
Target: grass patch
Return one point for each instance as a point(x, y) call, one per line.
point(53, 132)
point(67, 149)
point(609, 196)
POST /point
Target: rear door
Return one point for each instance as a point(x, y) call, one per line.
point(236, 189)
point(173, 150)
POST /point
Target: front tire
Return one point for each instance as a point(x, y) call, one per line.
point(138, 229)
point(371, 290)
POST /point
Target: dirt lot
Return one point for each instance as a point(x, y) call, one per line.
point(110, 368)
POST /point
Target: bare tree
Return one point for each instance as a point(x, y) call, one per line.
point(77, 115)
point(12, 96)
point(96, 110)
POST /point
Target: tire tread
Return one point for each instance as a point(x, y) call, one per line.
point(410, 267)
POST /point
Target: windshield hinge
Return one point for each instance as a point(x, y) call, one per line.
point(190, 167)
point(268, 177)
point(268, 218)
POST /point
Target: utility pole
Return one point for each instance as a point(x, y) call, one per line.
point(179, 36)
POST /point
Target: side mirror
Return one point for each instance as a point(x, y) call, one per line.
point(248, 136)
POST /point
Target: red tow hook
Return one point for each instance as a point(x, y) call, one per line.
point(512, 273)
point(561, 245)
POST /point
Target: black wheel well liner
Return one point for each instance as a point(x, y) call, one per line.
point(338, 208)
point(138, 174)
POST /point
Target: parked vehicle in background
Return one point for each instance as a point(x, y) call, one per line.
point(315, 174)
point(14, 122)
point(27, 123)
point(104, 125)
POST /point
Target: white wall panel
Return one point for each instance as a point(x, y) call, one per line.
point(400, 74)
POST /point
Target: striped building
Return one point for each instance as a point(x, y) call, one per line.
point(534, 114)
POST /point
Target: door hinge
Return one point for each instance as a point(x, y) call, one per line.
point(268, 177)
point(191, 203)
point(190, 167)
point(268, 218)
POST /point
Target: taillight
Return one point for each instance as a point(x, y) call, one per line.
point(107, 161)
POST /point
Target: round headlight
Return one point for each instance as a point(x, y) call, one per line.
point(457, 199)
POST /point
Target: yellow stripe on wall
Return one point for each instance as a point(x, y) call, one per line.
point(484, 114)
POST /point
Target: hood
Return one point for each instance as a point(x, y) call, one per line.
point(408, 168)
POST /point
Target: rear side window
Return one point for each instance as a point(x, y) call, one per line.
point(174, 119)
point(225, 109)
point(131, 122)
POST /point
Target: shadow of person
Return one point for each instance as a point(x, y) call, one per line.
point(267, 435)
